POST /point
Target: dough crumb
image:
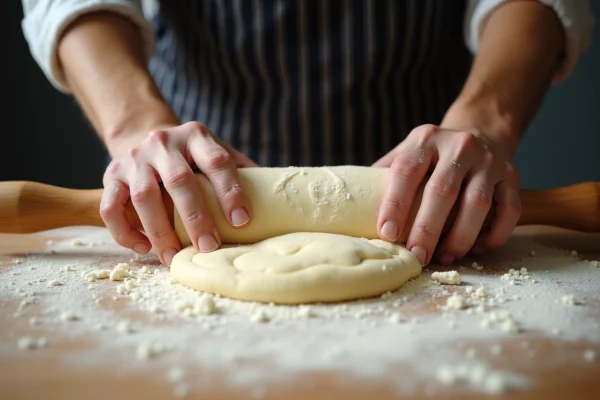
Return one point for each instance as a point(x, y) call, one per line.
point(515, 276)
point(456, 301)
point(396, 318)
point(496, 349)
point(181, 390)
point(78, 243)
point(67, 268)
point(54, 282)
point(306, 312)
point(477, 376)
point(447, 277)
point(590, 356)
point(27, 343)
point(476, 266)
point(119, 272)
point(205, 306)
point(176, 374)
point(481, 292)
point(69, 316)
point(125, 327)
point(147, 351)
point(569, 300)
point(260, 316)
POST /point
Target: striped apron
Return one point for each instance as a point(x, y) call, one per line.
point(305, 83)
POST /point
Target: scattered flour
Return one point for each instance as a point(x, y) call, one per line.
point(106, 292)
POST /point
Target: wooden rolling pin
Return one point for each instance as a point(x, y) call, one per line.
point(27, 207)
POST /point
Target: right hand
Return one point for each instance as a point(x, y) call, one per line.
point(169, 155)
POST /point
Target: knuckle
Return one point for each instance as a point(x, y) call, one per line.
point(424, 230)
point(219, 159)
point(230, 190)
point(112, 168)
point(140, 193)
point(133, 153)
point(403, 169)
point(442, 189)
point(196, 127)
point(489, 159)
point(460, 245)
point(513, 208)
point(157, 235)
point(108, 209)
point(424, 133)
point(194, 217)
point(178, 178)
point(466, 142)
point(121, 239)
point(393, 205)
point(157, 136)
point(479, 199)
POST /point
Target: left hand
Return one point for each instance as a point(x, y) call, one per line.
point(455, 159)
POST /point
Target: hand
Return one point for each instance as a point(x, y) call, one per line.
point(457, 158)
point(168, 155)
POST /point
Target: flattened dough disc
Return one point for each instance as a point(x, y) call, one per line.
point(298, 268)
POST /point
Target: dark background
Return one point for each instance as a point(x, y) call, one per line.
point(45, 138)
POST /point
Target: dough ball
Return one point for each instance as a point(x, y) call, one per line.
point(298, 268)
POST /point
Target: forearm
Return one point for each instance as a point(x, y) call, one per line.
point(520, 48)
point(102, 61)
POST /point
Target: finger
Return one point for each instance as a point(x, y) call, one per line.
point(147, 200)
point(219, 167)
point(439, 196)
point(113, 212)
point(507, 213)
point(181, 184)
point(405, 174)
point(474, 207)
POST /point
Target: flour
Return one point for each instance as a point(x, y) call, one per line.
point(147, 317)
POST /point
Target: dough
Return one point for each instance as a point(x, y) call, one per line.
point(341, 200)
point(296, 268)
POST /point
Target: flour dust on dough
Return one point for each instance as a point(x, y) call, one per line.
point(340, 199)
point(298, 268)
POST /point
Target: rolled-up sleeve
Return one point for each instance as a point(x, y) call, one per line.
point(45, 20)
point(575, 16)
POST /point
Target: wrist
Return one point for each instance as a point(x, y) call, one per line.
point(133, 126)
point(484, 118)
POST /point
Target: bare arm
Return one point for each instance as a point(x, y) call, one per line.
point(103, 63)
point(101, 58)
point(520, 50)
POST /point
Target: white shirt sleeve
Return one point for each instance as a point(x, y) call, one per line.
point(575, 15)
point(45, 20)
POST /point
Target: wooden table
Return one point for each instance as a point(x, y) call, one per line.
point(44, 374)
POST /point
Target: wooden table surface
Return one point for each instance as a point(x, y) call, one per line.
point(43, 374)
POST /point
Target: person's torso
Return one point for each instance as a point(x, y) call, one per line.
point(310, 82)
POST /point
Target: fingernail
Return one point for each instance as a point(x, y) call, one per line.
point(168, 255)
point(239, 217)
point(389, 230)
point(446, 259)
point(207, 243)
point(141, 248)
point(420, 253)
point(478, 249)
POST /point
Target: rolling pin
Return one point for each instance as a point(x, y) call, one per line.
point(324, 199)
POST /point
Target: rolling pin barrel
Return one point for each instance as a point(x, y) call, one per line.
point(284, 200)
